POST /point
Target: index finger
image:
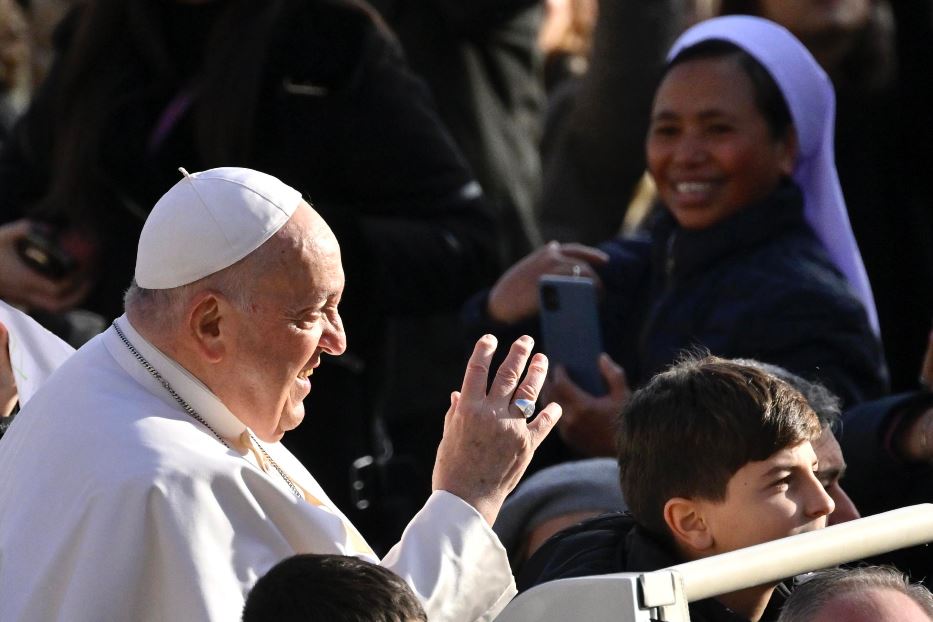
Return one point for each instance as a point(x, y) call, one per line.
point(585, 253)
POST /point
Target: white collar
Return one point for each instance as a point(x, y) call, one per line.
point(185, 384)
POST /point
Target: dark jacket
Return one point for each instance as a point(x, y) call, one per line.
point(340, 117)
point(876, 479)
point(481, 60)
point(756, 285)
point(607, 544)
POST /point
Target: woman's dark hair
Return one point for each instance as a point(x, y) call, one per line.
point(119, 57)
point(768, 97)
point(871, 63)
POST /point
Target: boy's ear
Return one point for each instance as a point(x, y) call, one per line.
point(684, 518)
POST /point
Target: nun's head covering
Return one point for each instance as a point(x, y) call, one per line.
point(812, 102)
point(209, 221)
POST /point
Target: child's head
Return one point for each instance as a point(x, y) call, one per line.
point(331, 588)
point(715, 455)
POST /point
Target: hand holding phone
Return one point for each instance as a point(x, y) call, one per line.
point(41, 250)
point(589, 423)
point(21, 284)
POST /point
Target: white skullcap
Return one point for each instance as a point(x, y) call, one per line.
point(209, 221)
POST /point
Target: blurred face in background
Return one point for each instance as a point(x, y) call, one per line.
point(709, 147)
point(810, 19)
point(830, 472)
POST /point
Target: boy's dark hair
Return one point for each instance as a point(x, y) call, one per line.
point(331, 588)
point(768, 96)
point(688, 431)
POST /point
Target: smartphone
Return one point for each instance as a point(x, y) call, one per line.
point(570, 329)
point(40, 249)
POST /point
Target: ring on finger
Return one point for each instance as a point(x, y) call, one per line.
point(525, 407)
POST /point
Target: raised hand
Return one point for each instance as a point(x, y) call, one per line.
point(487, 442)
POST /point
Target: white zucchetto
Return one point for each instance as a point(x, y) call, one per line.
point(208, 221)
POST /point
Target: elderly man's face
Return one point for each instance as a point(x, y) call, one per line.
point(293, 320)
point(872, 605)
point(832, 468)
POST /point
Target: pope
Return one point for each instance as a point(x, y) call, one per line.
point(145, 479)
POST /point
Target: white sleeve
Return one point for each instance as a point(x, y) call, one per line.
point(34, 352)
point(453, 561)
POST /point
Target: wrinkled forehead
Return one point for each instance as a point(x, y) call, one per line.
point(307, 232)
point(302, 262)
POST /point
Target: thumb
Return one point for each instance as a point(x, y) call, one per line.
point(454, 402)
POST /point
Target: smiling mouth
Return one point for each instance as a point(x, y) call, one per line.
point(305, 373)
point(691, 187)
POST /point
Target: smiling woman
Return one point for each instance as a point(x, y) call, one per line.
point(749, 254)
point(721, 136)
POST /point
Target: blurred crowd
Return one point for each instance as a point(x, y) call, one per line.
point(462, 150)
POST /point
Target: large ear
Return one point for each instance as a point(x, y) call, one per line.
point(210, 325)
point(684, 518)
point(789, 149)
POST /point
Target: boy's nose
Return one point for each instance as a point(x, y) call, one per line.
point(819, 503)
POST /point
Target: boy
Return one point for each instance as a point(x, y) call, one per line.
point(331, 588)
point(713, 456)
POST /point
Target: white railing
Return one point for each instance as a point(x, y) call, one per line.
point(664, 594)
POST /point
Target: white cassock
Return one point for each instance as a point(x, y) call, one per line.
point(116, 505)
